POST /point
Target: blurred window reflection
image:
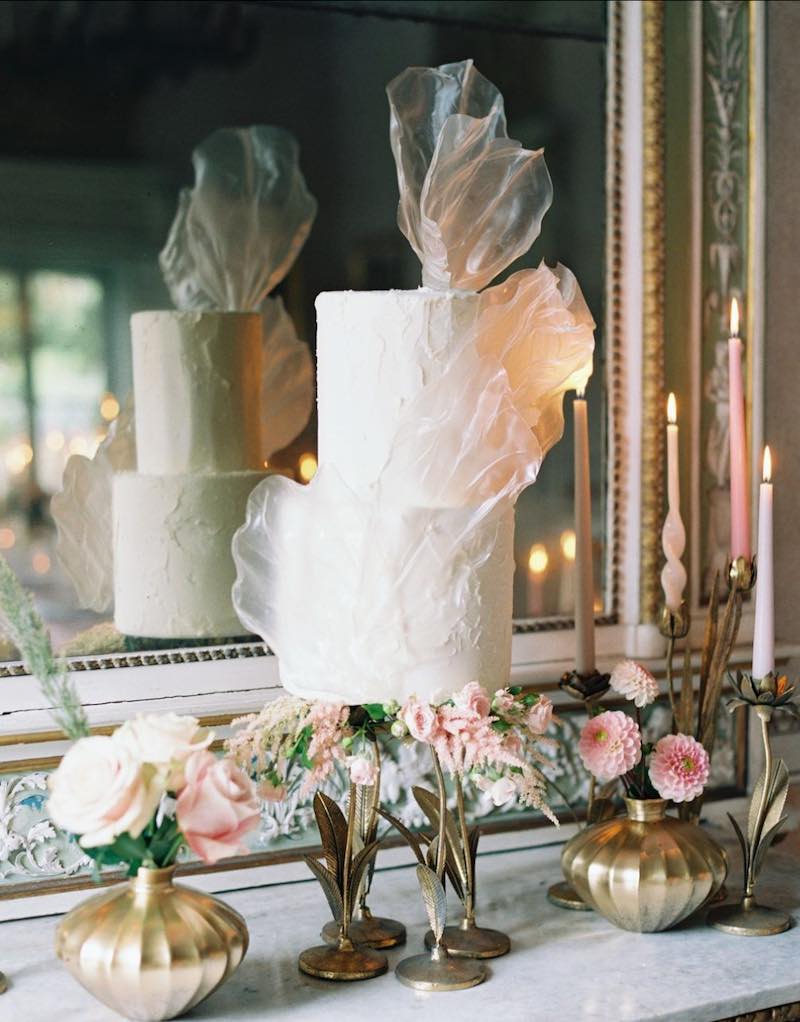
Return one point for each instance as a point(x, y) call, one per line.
point(53, 403)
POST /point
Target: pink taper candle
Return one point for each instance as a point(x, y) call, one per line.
point(740, 504)
point(764, 632)
point(584, 574)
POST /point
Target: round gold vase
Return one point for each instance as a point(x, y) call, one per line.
point(647, 871)
point(152, 949)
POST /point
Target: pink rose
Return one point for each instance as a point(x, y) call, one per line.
point(539, 716)
point(217, 807)
point(503, 701)
point(420, 719)
point(679, 768)
point(610, 745)
point(362, 770)
point(473, 699)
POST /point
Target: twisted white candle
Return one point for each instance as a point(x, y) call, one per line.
point(673, 535)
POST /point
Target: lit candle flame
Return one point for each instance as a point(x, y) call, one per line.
point(580, 392)
point(672, 409)
point(568, 544)
point(767, 469)
point(734, 318)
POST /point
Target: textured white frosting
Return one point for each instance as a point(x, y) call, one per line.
point(173, 568)
point(366, 603)
point(197, 379)
point(376, 350)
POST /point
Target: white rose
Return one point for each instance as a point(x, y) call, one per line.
point(100, 790)
point(166, 741)
point(501, 791)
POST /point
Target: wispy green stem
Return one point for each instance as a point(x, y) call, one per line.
point(28, 633)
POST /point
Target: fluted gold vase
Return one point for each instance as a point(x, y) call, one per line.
point(646, 871)
point(152, 949)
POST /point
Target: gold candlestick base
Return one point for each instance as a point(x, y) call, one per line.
point(564, 895)
point(471, 941)
point(367, 930)
point(3, 983)
point(742, 574)
point(748, 919)
point(439, 972)
point(674, 624)
point(343, 963)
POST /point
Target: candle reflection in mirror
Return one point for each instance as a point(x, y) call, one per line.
point(566, 595)
point(538, 561)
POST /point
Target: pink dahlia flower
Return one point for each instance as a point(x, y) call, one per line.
point(634, 682)
point(679, 768)
point(610, 745)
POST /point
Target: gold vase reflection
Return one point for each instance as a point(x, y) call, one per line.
point(152, 949)
point(647, 871)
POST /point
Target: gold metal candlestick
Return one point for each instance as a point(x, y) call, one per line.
point(589, 688)
point(467, 940)
point(340, 878)
point(438, 971)
point(366, 929)
point(3, 983)
point(747, 918)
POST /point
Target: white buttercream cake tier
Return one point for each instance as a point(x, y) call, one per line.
point(376, 350)
point(173, 568)
point(197, 380)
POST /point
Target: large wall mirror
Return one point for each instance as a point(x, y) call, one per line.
point(93, 150)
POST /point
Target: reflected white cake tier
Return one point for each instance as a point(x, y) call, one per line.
point(197, 380)
point(173, 568)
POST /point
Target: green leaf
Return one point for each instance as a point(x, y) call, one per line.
point(375, 711)
point(501, 725)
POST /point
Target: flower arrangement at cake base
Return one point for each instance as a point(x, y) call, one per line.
point(647, 871)
point(152, 949)
point(490, 741)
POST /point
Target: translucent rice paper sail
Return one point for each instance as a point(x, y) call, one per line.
point(366, 600)
point(471, 199)
point(238, 231)
point(82, 513)
point(287, 382)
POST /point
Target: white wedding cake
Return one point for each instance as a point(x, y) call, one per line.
point(197, 379)
point(391, 573)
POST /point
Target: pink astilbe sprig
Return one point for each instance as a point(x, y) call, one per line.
point(287, 732)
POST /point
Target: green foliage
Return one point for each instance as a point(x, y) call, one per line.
point(27, 630)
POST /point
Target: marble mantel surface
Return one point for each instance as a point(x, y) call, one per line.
point(564, 966)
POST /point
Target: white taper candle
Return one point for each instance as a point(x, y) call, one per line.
point(764, 631)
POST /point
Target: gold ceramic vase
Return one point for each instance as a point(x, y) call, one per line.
point(646, 871)
point(152, 949)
